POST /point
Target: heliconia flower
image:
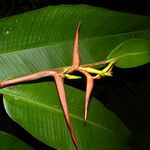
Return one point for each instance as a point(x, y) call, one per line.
point(61, 73)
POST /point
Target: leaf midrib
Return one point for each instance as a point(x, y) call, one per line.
point(132, 54)
point(68, 41)
point(59, 111)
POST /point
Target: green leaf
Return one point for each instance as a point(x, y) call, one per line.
point(40, 114)
point(43, 39)
point(132, 53)
point(10, 142)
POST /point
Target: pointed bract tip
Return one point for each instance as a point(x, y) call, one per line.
point(79, 24)
point(85, 117)
point(73, 138)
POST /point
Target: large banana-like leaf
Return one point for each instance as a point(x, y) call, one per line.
point(36, 107)
point(43, 39)
point(8, 141)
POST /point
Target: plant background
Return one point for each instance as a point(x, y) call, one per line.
point(126, 94)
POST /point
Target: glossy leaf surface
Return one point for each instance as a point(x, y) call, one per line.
point(8, 142)
point(43, 39)
point(131, 53)
point(40, 113)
